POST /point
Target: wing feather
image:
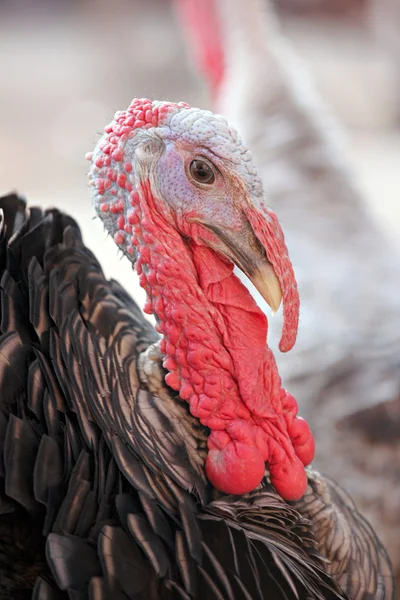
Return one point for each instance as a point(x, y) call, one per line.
point(356, 557)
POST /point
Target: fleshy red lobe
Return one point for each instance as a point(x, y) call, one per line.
point(215, 346)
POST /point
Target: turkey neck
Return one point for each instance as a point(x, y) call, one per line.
point(210, 323)
point(214, 340)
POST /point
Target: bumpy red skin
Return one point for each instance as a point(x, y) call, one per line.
point(214, 335)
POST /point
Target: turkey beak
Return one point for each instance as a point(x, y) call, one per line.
point(257, 247)
point(244, 249)
point(267, 284)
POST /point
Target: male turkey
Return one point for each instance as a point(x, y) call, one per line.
point(112, 484)
point(345, 368)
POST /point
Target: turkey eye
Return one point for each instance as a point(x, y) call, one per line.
point(201, 171)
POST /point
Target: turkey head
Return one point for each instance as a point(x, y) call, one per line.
point(178, 190)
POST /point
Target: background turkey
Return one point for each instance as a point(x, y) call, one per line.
point(345, 368)
point(103, 486)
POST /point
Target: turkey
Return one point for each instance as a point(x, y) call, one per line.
point(345, 368)
point(134, 466)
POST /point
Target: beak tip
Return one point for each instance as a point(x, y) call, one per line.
point(267, 284)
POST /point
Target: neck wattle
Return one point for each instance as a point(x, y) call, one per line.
point(216, 354)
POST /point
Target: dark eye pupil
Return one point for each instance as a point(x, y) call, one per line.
point(201, 171)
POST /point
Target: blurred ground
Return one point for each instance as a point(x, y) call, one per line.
point(66, 67)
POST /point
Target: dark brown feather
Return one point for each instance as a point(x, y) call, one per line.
point(103, 464)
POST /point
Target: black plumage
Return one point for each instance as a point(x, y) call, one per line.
point(102, 488)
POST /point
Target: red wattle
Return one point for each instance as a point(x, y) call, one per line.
point(302, 440)
point(289, 478)
point(236, 468)
point(211, 328)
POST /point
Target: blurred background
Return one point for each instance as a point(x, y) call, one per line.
point(66, 66)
